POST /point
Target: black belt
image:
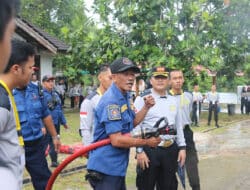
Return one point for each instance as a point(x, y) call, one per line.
point(33, 142)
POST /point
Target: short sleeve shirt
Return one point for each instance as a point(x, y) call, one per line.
point(113, 114)
point(165, 106)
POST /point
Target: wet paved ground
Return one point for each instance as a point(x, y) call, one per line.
point(225, 158)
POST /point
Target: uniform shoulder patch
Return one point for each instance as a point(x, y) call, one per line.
point(114, 112)
point(4, 100)
point(146, 92)
point(91, 95)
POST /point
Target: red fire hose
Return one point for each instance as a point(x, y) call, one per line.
point(72, 157)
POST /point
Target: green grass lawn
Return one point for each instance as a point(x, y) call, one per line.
point(76, 181)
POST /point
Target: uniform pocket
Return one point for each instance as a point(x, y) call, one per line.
point(21, 113)
point(37, 109)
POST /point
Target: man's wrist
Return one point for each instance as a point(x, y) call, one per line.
point(139, 150)
point(56, 137)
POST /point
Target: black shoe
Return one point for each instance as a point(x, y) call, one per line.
point(54, 164)
point(217, 125)
point(208, 124)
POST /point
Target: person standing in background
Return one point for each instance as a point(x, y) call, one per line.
point(71, 96)
point(81, 96)
point(197, 98)
point(248, 100)
point(34, 79)
point(61, 89)
point(243, 100)
point(185, 100)
point(76, 95)
point(53, 101)
point(213, 99)
point(89, 104)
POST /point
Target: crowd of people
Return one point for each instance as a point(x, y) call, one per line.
point(24, 112)
point(115, 113)
point(105, 115)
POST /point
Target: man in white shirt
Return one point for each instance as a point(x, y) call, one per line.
point(197, 98)
point(90, 102)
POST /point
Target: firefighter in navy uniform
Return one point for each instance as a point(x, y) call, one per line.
point(158, 166)
point(33, 113)
point(52, 99)
point(114, 116)
point(185, 100)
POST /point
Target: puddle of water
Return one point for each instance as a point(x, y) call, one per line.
point(235, 138)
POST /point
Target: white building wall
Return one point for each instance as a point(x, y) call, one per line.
point(46, 64)
point(45, 59)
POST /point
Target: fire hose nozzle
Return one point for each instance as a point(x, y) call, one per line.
point(161, 127)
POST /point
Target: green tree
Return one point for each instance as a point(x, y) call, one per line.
point(232, 34)
point(182, 33)
point(175, 33)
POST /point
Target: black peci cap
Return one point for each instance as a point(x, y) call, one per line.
point(123, 64)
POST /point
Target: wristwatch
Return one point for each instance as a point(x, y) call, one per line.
point(56, 137)
point(139, 150)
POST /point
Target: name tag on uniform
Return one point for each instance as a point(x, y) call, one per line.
point(114, 112)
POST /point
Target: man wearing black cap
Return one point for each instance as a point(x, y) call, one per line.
point(53, 101)
point(114, 117)
point(157, 167)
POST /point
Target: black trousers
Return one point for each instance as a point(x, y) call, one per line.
point(62, 97)
point(72, 102)
point(80, 101)
point(213, 108)
point(36, 163)
point(191, 160)
point(247, 107)
point(243, 104)
point(162, 169)
point(194, 113)
point(52, 152)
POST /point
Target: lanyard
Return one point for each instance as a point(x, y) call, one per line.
point(99, 91)
point(182, 96)
point(18, 126)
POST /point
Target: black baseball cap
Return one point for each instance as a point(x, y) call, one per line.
point(160, 71)
point(47, 78)
point(123, 64)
